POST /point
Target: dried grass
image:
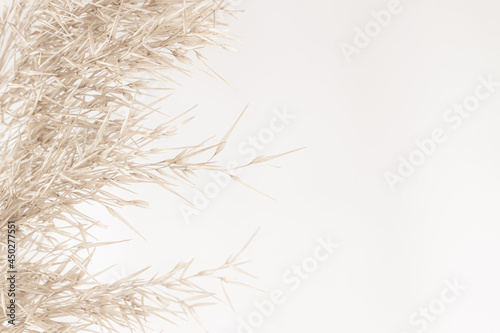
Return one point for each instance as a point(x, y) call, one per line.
point(74, 82)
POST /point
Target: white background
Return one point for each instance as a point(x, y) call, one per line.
point(397, 248)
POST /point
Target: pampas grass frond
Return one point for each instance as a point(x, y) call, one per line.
point(75, 84)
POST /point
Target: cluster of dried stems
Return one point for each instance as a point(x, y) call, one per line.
point(75, 79)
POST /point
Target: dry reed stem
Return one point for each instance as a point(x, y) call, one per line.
point(74, 82)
